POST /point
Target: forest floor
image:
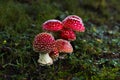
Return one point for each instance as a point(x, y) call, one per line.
point(96, 53)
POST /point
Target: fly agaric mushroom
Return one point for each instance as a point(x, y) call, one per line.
point(44, 44)
point(54, 54)
point(52, 25)
point(63, 47)
point(68, 34)
point(74, 22)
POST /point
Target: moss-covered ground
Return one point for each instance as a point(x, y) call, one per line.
point(96, 53)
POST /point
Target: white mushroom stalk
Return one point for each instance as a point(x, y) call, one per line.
point(45, 59)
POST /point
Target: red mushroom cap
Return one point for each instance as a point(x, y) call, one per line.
point(68, 34)
point(74, 22)
point(63, 46)
point(75, 16)
point(54, 53)
point(43, 42)
point(52, 25)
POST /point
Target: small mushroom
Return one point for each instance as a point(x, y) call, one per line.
point(54, 54)
point(63, 47)
point(74, 22)
point(44, 43)
point(52, 25)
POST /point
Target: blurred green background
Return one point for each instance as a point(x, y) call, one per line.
point(96, 51)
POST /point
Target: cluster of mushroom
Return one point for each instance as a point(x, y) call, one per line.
point(56, 38)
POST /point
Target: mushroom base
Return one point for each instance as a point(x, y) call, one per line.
point(45, 59)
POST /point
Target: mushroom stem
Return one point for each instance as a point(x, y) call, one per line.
point(45, 59)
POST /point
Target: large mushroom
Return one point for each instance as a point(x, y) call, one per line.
point(63, 47)
point(74, 22)
point(44, 43)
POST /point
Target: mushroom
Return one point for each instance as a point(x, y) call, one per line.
point(44, 43)
point(63, 46)
point(52, 25)
point(74, 22)
point(67, 34)
point(54, 54)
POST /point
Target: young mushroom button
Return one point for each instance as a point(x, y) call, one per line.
point(54, 54)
